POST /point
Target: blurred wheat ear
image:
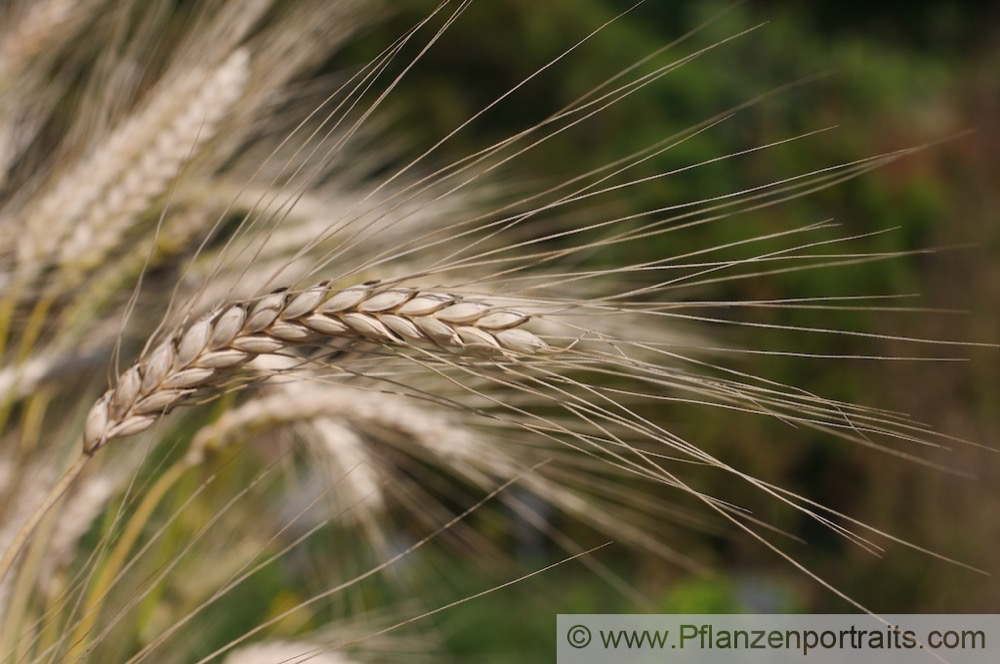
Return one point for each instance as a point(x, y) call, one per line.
point(385, 358)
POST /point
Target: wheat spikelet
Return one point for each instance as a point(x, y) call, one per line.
point(197, 358)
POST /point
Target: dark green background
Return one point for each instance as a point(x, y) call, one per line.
point(898, 74)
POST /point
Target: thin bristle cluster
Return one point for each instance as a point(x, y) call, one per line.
point(195, 358)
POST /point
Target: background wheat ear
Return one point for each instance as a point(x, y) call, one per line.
point(419, 310)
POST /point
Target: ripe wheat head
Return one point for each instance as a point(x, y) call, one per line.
point(374, 344)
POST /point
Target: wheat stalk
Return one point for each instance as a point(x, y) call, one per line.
point(30, 497)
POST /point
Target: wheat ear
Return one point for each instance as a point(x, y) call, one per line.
point(84, 216)
point(193, 360)
point(286, 652)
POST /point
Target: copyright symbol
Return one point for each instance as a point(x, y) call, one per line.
point(578, 636)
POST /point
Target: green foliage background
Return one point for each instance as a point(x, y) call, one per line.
point(897, 75)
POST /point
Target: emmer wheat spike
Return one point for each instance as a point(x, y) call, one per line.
point(191, 362)
point(472, 363)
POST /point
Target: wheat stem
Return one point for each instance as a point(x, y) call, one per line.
point(109, 571)
point(53, 496)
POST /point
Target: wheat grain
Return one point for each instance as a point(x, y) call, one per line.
point(180, 368)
